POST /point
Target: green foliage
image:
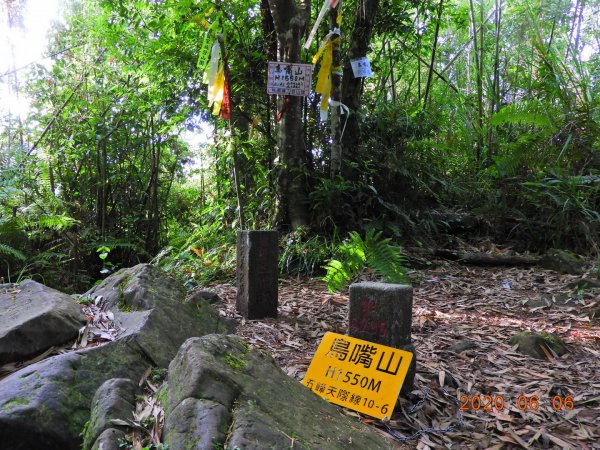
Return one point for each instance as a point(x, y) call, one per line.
point(304, 253)
point(9, 251)
point(568, 207)
point(158, 374)
point(356, 254)
point(103, 252)
point(105, 174)
point(57, 222)
point(526, 113)
point(203, 253)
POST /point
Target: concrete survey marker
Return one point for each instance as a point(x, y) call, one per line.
point(357, 374)
point(382, 313)
point(257, 273)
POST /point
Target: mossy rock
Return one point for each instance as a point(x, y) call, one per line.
point(562, 261)
point(221, 390)
point(115, 399)
point(47, 404)
point(584, 284)
point(532, 344)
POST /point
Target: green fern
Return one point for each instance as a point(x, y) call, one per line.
point(56, 222)
point(524, 113)
point(9, 251)
point(356, 254)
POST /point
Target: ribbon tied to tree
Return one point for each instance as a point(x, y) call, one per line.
point(218, 83)
point(323, 86)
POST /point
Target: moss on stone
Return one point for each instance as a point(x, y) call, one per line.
point(15, 402)
point(532, 344)
point(235, 363)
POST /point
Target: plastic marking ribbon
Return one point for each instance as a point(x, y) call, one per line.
point(326, 5)
point(323, 86)
point(226, 104)
point(204, 53)
point(216, 79)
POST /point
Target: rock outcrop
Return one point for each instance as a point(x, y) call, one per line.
point(562, 261)
point(538, 345)
point(47, 404)
point(223, 393)
point(220, 392)
point(34, 318)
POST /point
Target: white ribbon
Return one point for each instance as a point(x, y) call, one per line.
point(322, 13)
point(215, 56)
point(343, 108)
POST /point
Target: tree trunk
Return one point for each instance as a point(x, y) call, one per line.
point(487, 259)
point(336, 96)
point(352, 87)
point(495, 103)
point(290, 23)
point(477, 50)
point(433, 51)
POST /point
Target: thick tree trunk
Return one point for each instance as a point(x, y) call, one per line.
point(352, 87)
point(290, 23)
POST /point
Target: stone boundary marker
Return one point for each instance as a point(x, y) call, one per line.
point(382, 313)
point(257, 273)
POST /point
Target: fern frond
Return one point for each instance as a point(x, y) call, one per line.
point(356, 254)
point(56, 222)
point(337, 276)
point(9, 251)
point(524, 113)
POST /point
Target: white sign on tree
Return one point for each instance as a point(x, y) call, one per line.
point(361, 67)
point(289, 79)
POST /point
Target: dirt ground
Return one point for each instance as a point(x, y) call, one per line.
point(479, 309)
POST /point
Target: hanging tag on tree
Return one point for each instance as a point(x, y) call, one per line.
point(361, 67)
point(203, 56)
point(205, 52)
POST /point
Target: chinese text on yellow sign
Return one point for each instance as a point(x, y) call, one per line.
point(358, 374)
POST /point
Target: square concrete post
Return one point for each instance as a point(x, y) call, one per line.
point(257, 273)
point(382, 313)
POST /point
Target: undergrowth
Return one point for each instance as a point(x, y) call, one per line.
point(356, 254)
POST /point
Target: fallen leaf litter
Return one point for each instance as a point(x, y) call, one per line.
point(463, 319)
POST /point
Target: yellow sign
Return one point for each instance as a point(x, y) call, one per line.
point(357, 374)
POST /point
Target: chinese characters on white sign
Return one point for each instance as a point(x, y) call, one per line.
point(289, 79)
point(361, 67)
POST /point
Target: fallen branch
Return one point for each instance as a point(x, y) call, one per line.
point(487, 259)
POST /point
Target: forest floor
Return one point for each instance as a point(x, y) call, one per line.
point(481, 308)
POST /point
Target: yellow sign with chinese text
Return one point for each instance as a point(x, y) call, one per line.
point(357, 374)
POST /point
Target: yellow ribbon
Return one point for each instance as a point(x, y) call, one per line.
point(323, 86)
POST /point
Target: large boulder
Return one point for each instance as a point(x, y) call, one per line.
point(223, 393)
point(34, 318)
point(47, 404)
